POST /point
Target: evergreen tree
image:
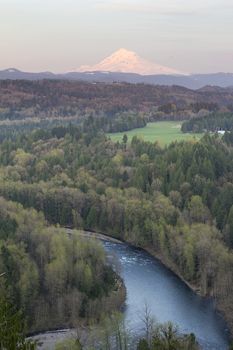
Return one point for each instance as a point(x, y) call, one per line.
point(12, 336)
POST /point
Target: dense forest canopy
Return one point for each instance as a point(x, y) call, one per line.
point(212, 122)
point(65, 99)
point(178, 200)
point(54, 278)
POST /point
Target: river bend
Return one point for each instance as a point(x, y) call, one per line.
point(149, 282)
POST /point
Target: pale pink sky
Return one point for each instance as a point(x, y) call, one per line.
point(61, 35)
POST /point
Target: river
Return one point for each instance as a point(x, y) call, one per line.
point(149, 282)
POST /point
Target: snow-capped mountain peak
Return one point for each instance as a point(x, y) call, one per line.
point(126, 61)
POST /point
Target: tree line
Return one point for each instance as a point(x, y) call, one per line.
point(210, 123)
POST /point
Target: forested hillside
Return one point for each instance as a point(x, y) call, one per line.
point(55, 279)
point(23, 99)
point(177, 201)
point(26, 105)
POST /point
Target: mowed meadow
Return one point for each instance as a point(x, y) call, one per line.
point(162, 132)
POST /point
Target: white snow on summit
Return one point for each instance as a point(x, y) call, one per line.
point(125, 61)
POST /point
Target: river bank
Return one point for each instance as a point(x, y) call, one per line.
point(220, 308)
point(147, 280)
point(168, 264)
point(93, 234)
point(46, 339)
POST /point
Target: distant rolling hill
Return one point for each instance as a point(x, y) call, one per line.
point(195, 81)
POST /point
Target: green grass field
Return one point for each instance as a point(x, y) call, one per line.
point(163, 132)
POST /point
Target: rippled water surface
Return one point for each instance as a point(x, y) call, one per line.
point(169, 299)
point(149, 282)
